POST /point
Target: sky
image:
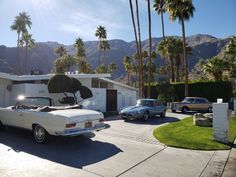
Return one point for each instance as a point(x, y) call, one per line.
point(65, 20)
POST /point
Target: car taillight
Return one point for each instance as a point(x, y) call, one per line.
point(70, 125)
point(101, 120)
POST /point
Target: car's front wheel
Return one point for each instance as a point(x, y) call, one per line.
point(1, 126)
point(163, 114)
point(185, 109)
point(145, 116)
point(40, 134)
point(209, 109)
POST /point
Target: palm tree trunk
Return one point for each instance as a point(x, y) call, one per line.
point(177, 73)
point(26, 58)
point(150, 51)
point(172, 70)
point(17, 53)
point(137, 46)
point(163, 27)
point(128, 78)
point(185, 58)
point(140, 52)
point(99, 54)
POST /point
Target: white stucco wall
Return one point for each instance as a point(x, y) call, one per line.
point(125, 97)
point(4, 92)
point(30, 90)
point(98, 101)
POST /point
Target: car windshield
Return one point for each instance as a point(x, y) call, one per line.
point(30, 101)
point(145, 103)
point(188, 100)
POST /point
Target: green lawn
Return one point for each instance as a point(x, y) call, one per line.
point(184, 134)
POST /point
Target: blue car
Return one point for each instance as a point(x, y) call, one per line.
point(144, 109)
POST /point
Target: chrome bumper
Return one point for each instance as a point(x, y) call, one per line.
point(78, 131)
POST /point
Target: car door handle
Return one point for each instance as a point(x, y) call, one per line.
point(21, 115)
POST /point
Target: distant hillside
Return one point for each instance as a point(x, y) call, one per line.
point(42, 57)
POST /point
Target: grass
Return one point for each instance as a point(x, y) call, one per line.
point(184, 134)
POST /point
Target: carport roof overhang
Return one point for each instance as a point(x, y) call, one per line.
point(48, 76)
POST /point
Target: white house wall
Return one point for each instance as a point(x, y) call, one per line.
point(5, 92)
point(125, 97)
point(29, 90)
point(98, 101)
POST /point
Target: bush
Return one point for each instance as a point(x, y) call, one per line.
point(210, 90)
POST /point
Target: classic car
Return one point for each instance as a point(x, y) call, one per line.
point(144, 109)
point(38, 115)
point(192, 104)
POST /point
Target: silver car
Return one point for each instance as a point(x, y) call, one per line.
point(144, 109)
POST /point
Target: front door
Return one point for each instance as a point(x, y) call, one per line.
point(111, 100)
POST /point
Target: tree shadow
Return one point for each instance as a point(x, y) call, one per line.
point(71, 151)
point(157, 120)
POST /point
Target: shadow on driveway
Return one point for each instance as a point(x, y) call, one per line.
point(157, 120)
point(71, 151)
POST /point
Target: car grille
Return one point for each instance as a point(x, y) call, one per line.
point(126, 114)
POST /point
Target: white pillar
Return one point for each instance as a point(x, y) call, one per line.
point(221, 122)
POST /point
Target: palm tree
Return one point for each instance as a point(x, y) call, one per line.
point(127, 61)
point(140, 51)
point(167, 49)
point(150, 50)
point(178, 51)
point(61, 51)
point(159, 7)
point(112, 67)
point(80, 55)
point(20, 24)
point(101, 69)
point(29, 44)
point(138, 69)
point(216, 67)
point(105, 46)
point(182, 10)
point(101, 34)
point(80, 50)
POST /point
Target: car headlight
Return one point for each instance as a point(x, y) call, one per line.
point(140, 111)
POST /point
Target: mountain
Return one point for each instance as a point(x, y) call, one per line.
point(43, 55)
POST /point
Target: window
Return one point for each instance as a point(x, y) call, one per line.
point(198, 100)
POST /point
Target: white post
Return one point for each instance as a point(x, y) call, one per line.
point(220, 122)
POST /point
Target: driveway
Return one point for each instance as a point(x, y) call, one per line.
point(125, 149)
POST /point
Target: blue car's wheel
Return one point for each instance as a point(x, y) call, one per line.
point(163, 114)
point(145, 116)
point(1, 126)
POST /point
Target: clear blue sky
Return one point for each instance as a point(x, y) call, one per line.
point(65, 20)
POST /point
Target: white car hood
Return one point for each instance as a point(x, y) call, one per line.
point(78, 115)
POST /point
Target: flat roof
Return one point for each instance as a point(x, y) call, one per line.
point(118, 83)
point(103, 77)
point(48, 76)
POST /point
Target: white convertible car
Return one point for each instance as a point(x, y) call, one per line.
point(38, 115)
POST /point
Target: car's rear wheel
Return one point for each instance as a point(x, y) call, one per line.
point(185, 109)
point(209, 109)
point(145, 116)
point(1, 126)
point(40, 134)
point(163, 114)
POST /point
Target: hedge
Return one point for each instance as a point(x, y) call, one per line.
point(208, 89)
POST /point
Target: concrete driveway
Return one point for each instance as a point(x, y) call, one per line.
point(125, 149)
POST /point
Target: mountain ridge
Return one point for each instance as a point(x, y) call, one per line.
point(43, 56)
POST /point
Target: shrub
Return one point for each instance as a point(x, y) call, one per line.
point(210, 90)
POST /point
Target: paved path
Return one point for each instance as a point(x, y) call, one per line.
point(125, 149)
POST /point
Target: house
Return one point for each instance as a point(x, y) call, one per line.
point(108, 95)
